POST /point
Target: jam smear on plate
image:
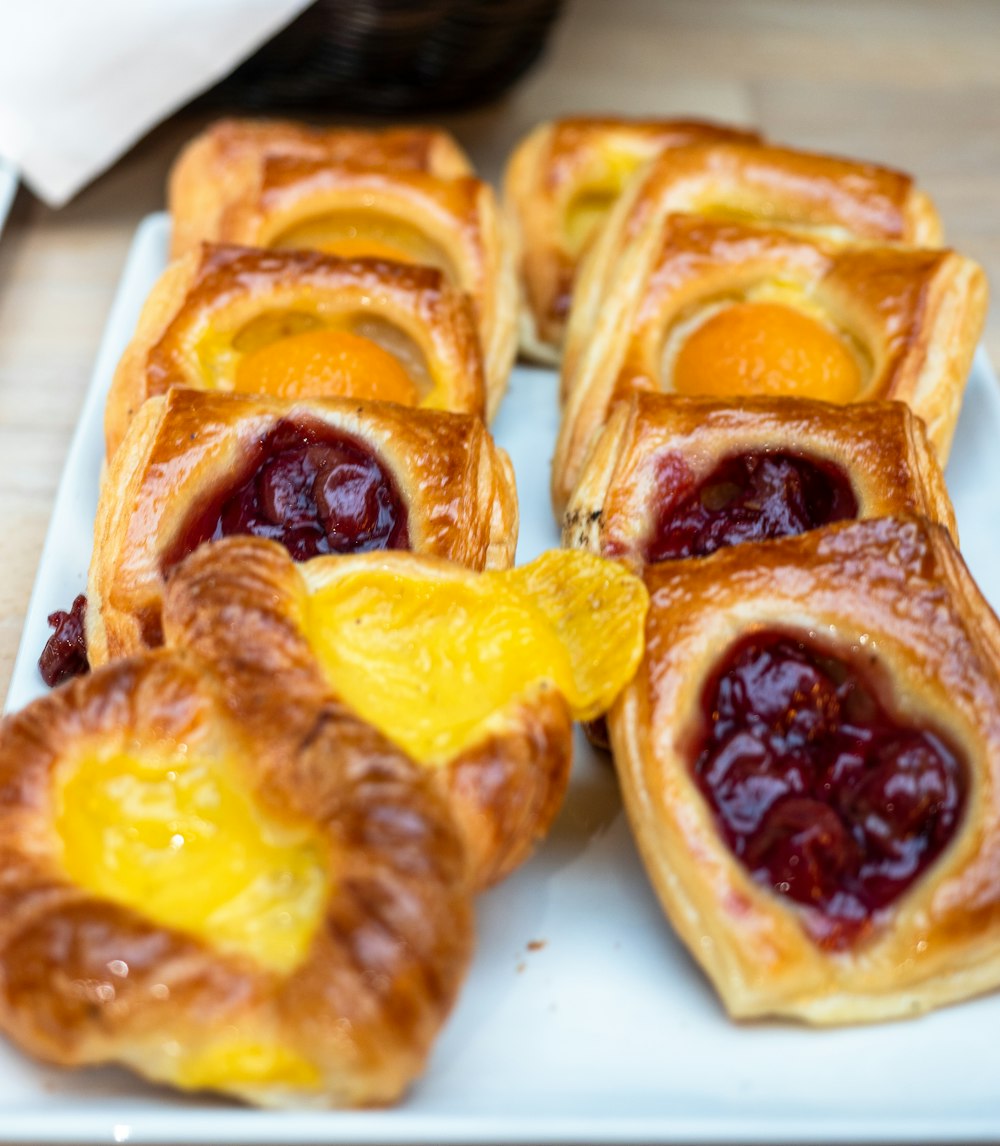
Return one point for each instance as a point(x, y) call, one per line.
point(754, 496)
point(820, 791)
point(65, 652)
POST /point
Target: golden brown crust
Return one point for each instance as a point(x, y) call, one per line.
point(553, 167)
point(504, 790)
point(85, 980)
point(843, 199)
point(881, 447)
point(215, 166)
point(913, 315)
point(202, 302)
point(272, 193)
point(896, 591)
point(186, 447)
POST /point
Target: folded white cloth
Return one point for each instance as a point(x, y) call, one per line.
point(81, 80)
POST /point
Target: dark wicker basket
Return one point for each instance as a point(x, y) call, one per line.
point(388, 56)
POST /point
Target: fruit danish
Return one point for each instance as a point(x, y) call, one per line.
point(214, 168)
point(269, 903)
point(560, 183)
point(324, 476)
point(841, 199)
point(404, 215)
point(675, 477)
point(810, 760)
point(475, 675)
point(300, 324)
point(719, 309)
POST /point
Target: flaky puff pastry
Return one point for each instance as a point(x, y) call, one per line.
point(843, 199)
point(221, 318)
point(891, 599)
point(359, 208)
point(214, 168)
point(727, 309)
point(255, 894)
point(561, 181)
point(475, 676)
point(188, 454)
point(658, 451)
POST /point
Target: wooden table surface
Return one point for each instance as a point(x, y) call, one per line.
point(911, 83)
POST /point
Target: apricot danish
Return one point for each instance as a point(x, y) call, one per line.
point(810, 759)
point(299, 324)
point(717, 309)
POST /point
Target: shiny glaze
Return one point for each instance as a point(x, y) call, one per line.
point(753, 496)
point(310, 487)
point(819, 789)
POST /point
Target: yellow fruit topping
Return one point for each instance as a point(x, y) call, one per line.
point(766, 348)
point(176, 839)
point(321, 363)
point(432, 660)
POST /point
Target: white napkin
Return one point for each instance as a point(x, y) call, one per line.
point(81, 80)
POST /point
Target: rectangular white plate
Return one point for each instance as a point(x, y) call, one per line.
point(583, 1019)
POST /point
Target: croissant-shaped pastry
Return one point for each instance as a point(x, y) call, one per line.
point(810, 760)
point(300, 324)
point(214, 169)
point(475, 676)
point(720, 309)
point(673, 477)
point(844, 200)
point(269, 904)
point(323, 476)
point(561, 181)
point(401, 214)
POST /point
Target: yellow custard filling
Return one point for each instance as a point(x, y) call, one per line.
point(235, 1059)
point(597, 195)
point(431, 662)
point(175, 838)
point(766, 348)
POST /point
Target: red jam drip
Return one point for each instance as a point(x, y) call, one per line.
point(311, 488)
point(749, 497)
point(822, 793)
point(65, 652)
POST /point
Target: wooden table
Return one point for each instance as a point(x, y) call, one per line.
point(911, 83)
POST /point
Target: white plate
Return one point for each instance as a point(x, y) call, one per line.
point(583, 1019)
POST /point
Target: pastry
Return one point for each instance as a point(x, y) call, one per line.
point(214, 168)
point(810, 760)
point(560, 183)
point(716, 309)
point(357, 208)
point(300, 324)
point(673, 477)
point(477, 676)
point(269, 904)
point(324, 476)
point(841, 199)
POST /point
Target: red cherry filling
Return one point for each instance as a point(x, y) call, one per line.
point(816, 786)
point(65, 652)
point(748, 497)
point(309, 487)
